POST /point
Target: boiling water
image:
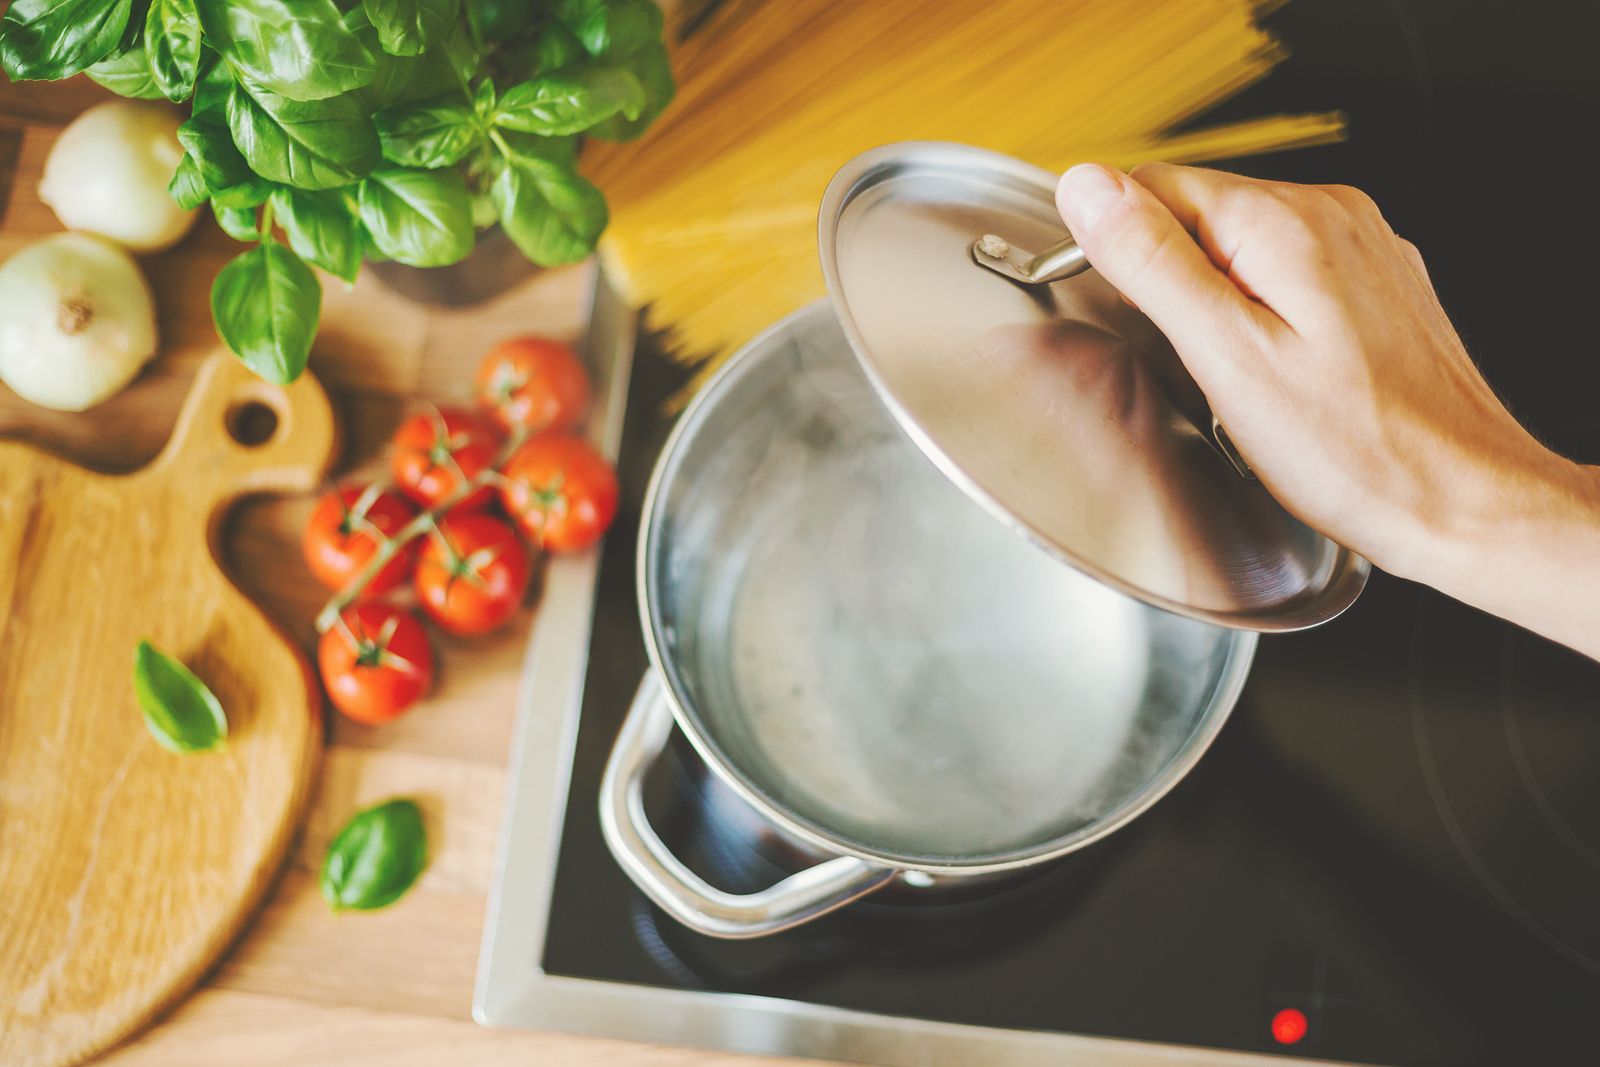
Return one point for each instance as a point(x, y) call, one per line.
point(885, 659)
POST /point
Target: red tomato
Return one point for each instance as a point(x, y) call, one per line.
point(375, 662)
point(435, 450)
point(562, 492)
point(472, 573)
point(345, 531)
point(534, 383)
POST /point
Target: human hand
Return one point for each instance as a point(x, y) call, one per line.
point(1316, 335)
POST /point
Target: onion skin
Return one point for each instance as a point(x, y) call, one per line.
point(76, 321)
point(108, 171)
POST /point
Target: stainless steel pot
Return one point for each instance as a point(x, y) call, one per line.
point(889, 677)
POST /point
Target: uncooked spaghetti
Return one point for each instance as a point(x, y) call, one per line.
point(714, 211)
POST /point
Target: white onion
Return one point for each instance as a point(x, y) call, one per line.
point(76, 321)
point(108, 171)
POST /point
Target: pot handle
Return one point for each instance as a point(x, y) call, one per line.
point(679, 891)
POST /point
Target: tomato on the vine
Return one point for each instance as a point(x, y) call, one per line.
point(345, 531)
point(375, 662)
point(561, 491)
point(436, 451)
point(472, 573)
point(533, 383)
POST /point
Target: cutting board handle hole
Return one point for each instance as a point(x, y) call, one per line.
point(252, 422)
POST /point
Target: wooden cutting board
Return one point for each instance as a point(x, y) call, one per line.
point(125, 869)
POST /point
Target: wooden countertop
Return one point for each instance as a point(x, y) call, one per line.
point(303, 985)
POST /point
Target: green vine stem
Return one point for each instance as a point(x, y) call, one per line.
point(428, 520)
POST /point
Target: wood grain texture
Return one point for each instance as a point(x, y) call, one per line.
point(302, 985)
point(129, 868)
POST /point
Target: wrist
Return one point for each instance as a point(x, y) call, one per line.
point(1525, 545)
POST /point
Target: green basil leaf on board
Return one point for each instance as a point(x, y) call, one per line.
point(187, 188)
point(127, 75)
point(376, 857)
point(549, 212)
point(321, 229)
point(47, 39)
point(570, 101)
point(406, 27)
point(297, 49)
point(310, 144)
point(266, 303)
point(180, 712)
point(172, 40)
point(422, 218)
point(429, 133)
point(654, 71)
point(237, 222)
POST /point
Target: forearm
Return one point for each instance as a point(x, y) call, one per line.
point(1533, 557)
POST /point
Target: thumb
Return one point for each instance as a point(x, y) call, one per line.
point(1139, 246)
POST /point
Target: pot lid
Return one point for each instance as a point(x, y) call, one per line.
point(1054, 404)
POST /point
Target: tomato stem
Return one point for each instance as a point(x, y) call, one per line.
point(328, 617)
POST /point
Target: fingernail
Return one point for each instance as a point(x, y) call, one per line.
point(1087, 192)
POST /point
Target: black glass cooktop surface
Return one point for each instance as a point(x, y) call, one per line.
point(1392, 853)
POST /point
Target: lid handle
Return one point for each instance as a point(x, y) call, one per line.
point(1059, 261)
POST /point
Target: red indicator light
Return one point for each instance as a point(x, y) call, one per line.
point(1288, 1026)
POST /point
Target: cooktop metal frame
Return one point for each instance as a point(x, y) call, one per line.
point(512, 988)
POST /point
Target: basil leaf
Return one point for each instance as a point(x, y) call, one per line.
point(252, 192)
point(314, 144)
point(422, 218)
point(555, 47)
point(654, 71)
point(572, 12)
point(298, 49)
point(237, 222)
point(187, 188)
point(180, 712)
point(321, 229)
point(212, 87)
point(208, 142)
point(431, 133)
point(49, 39)
point(479, 173)
point(133, 32)
point(570, 101)
point(498, 21)
point(376, 857)
point(172, 39)
point(445, 67)
point(266, 303)
point(562, 151)
point(127, 75)
point(550, 212)
point(619, 27)
point(391, 74)
point(227, 177)
point(406, 27)
point(483, 100)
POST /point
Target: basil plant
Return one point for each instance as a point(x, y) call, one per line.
point(364, 129)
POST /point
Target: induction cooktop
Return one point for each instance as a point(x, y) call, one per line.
point(1390, 856)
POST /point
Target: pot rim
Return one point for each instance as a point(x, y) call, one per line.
point(1241, 654)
